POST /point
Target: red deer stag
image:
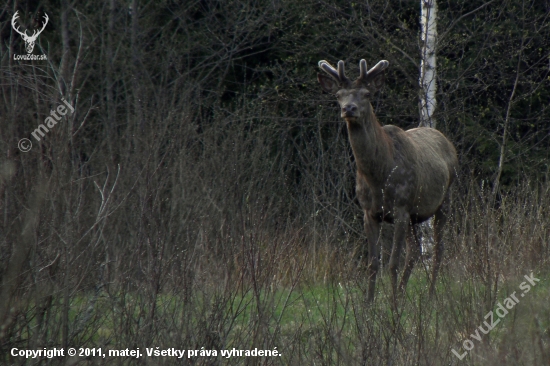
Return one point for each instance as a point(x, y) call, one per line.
point(403, 177)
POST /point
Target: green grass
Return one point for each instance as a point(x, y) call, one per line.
point(331, 315)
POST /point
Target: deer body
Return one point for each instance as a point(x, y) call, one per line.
point(402, 176)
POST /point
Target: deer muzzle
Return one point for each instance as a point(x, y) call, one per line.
point(349, 111)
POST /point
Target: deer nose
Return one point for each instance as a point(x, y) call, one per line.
point(349, 110)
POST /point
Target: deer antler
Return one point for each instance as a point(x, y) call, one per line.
point(44, 26)
point(35, 33)
point(366, 77)
point(380, 66)
point(338, 75)
point(15, 16)
point(362, 69)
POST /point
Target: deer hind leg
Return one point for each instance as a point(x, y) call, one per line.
point(440, 218)
point(372, 229)
point(413, 253)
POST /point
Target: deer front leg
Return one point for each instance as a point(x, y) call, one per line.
point(413, 252)
point(372, 229)
point(401, 223)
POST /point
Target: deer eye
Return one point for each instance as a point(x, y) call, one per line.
point(365, 93)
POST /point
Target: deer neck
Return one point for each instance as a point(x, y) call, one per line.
point(371, 147)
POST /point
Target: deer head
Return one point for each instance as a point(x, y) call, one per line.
point(353, 97)
point(29, 40)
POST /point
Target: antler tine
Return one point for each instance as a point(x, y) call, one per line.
point(337, 74)
point(329, 69)
point(378, 67)
point(342, 71)
point(362, 69)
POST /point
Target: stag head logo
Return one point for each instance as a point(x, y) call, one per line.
point(29, 40)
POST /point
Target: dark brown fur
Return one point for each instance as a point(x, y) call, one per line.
point(402, 176)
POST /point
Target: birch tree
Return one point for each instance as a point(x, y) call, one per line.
point(427, 81)
point(428, 87)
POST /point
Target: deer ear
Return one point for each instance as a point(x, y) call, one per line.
point(328, 84)
point(376, 81)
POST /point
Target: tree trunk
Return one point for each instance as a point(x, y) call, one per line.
point(428, 87)
point(427, 81)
